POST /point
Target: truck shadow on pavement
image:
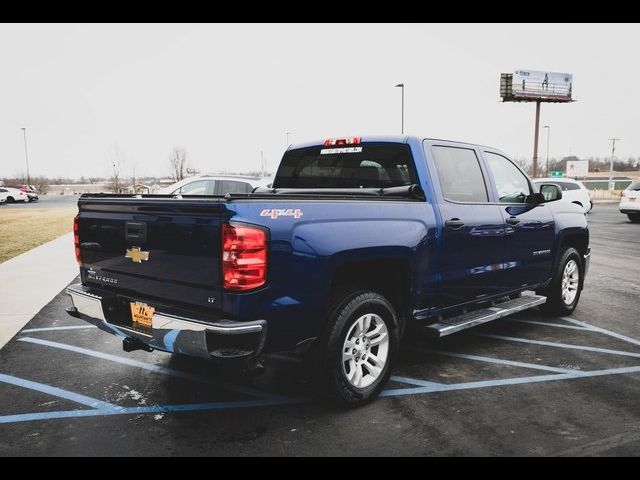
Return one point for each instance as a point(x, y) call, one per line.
point(525, 348)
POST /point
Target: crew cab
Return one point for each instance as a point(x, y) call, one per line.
point(357, 240)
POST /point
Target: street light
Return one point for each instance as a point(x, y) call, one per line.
point(288, 133)
point(26, 157)
point(548, 135)
point(401, 85)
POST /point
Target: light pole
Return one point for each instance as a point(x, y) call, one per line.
point(613, 149)
point(548, 135)
point(26, 156)
point(288, 133)
point(401, 85)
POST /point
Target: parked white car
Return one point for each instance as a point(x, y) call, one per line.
point(12, 195)
point(572, 190)
point(630, 201)
point(214, 185)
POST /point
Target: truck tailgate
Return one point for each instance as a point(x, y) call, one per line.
point(165, 248)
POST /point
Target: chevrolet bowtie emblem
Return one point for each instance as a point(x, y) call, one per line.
point(136, 255)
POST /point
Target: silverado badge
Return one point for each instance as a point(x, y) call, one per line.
point(136, 255)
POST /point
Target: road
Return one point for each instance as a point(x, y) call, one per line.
point(47, 201)
point(525, 385)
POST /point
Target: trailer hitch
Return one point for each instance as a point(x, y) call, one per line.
point(130, 344)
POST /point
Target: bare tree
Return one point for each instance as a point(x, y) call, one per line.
point(524, 164)
point(41, 184)
point(115, 157)
point(178, 162)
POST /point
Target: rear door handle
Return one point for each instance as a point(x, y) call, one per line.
point(513, 221)
point(454, 223)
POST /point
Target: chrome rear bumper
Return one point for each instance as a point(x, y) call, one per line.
point(172, 333)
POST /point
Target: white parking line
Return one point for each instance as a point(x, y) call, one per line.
point(507, 381)
point(545, 324)
point(499, 361)
point(559, 345)
point(52, 329)
point(57, 392)
point(603, 330)
point(153, 368)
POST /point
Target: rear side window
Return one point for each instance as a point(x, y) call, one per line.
point(367, 165)
point(460, 176)
point(199, 187)
point(511, 183)
point(634, 186)
point(232, 186)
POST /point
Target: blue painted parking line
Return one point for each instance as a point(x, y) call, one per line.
point(559, 345)
point(603, 330)
point(499, 361)
point(52, 329)
point(264, 399)
point(188, 407)
point(153, 368)
point(56, 392)
point(414, 381)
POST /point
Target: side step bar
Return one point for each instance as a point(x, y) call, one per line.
point(477, 317)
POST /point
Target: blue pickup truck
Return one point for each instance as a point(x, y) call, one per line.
point(357, 240)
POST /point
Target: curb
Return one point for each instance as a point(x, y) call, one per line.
point(31, 280)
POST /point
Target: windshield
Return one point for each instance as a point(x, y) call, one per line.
point(367, 165)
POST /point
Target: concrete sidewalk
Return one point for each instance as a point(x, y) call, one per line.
point(29, 281)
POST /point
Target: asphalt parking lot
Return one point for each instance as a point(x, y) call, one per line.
point(524, 385)
point(47, 201)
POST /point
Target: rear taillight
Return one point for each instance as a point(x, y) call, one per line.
point(76, 240)
point(244, 257)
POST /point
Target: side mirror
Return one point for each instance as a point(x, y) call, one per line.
point(550, 192)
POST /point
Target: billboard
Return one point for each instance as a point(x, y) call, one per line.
point(532, 85)
point(577, 168)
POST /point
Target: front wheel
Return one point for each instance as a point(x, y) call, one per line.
point(563, 293)
point(356, 353)
point(634, 217)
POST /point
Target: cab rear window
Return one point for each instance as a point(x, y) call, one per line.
point(366, 165)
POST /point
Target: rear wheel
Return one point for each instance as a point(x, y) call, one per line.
point(634, 217)
point(563, 293)
point(355, 355)
point(10, 199)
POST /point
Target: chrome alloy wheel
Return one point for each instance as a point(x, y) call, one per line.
point(365, 350)
point(570, 282)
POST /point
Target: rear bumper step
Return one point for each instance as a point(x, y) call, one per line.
point(180, 334)
point(484, 315)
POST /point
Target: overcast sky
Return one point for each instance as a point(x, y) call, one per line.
point(225, 92)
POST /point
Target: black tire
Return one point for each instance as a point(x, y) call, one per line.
point(634, 217)
point(330, 378)
point(10, 200)
point(555, 305)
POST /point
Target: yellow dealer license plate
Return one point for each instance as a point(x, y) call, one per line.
point(142, 314)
